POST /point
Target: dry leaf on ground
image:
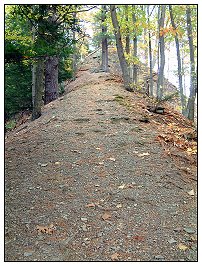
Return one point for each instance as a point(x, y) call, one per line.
point(90, 205)
point(45, 229)
point(191, 192)
point(182, 247)
point(106, 216)
point(115, 256)
point(122, 186)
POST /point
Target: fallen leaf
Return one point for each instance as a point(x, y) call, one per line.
point(106, 216)
point(193, 238)
point(57, 163)
point(98, 148)
point(115, 256)
point(119, 205)
point(182, 247)
point(143, 154)
point(138, 238)
point(191, 192)
point(45, 229)
point(122, 186)
point(90, 205)
point(112, 159)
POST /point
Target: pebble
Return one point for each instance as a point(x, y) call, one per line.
point(84, 219)
point(27, 254)
point(84, 228)
point(172, 241)
point(189, 230)
point(100, 234)
point(159, 257)
point(178, 229)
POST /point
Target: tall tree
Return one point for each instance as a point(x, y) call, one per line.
point(182, 96)
point(127, 31)
point(150, 54)
point(37, 87)
point(193, 78)
point(37, 67)
point(160, 81)
point(51, 79)
point(51, 64)
point(135, 66)
point(104, 65)
point(120, 51)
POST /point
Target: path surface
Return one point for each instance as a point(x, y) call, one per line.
point(92, 175)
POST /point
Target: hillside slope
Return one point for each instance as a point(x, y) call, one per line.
point(90, 180)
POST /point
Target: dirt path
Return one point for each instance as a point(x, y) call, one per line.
point(92, 175)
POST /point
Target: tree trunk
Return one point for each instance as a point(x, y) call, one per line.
point(145, 40)
point(193, 79)
point(37, 88)
point(51, 68)
point(127, 31)
point(160, 81)
point(74, 49)
point(51, 79)
point(150, 56)
point(182, 97)
point(104, 65)
point(119, 46)
point(134, 49)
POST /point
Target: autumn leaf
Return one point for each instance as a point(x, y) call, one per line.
point(122, 186)
point(138, 238)
point(119, 206)
point(182, 247)
point(90, 205)
point(191, 192)
point(112, 159)
point(106, 216)
point(115, 256)
point(45, 229)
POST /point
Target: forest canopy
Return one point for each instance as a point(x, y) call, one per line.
point(44, 44)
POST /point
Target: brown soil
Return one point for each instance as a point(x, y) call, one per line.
point(88, 181)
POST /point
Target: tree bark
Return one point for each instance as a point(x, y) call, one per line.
point(134, 49)
point(74, 63)
point(119, 46)
point(37, 88)
point(51, 79)
point(150, 56)
point(127, 31)
point(160, 81)
point(51, 69)
point(182, 96)
point(193, 78)
point(104, 65)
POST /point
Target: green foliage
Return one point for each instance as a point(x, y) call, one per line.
point(65, 70)
point(31, 31)
point(18, 90)
point(10, 124)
